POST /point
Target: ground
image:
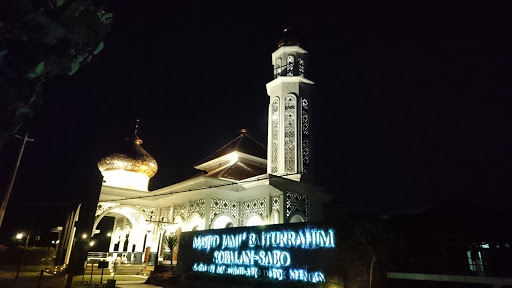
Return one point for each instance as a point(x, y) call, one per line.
point(32, 279)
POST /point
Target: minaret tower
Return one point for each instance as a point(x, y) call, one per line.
point(289, 134)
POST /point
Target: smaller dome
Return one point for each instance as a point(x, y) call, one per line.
point(132, 158)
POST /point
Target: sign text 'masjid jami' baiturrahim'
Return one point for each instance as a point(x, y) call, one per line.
point(263, 253)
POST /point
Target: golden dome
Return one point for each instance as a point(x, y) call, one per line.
point(133, 158)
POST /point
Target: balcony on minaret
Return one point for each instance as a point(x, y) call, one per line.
point(291, 66)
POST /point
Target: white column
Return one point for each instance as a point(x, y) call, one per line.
point(121, 242)
point(207, 208)
point(112, 244)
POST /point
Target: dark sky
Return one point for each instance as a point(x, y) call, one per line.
point(411, 107)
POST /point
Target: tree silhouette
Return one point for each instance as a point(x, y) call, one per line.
point(365, 261)
point(171, 241)
point(39, 41)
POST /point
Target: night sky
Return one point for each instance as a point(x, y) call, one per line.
point(411, 106)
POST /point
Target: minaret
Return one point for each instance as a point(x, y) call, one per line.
point(289, 111)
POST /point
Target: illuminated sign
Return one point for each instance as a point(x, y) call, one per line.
point(293, 251)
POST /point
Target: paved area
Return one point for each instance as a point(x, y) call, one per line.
point(34, 280)
point(135, 285)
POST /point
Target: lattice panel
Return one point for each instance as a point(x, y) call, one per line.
point(306, 150)
point(104, 206)
point(220, 206)
point(305, 122)
point(276, 206)
point(165, 214)
point(180, 210)
point(197, 206)
point(289, 65)
point(136, 216)
point(149, 211)
point(297, 202)
point(278, 67)
point(289, 134)
point(301, 67)
point(274, 152)
point(305, 103)
point(122, 224)
point(306, 154)
point(254, 206)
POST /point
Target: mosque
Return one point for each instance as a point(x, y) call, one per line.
point(241, 184)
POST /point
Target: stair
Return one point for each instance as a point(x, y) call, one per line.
point(147, 270)
point(123, 269)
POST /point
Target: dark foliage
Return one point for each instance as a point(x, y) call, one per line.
point(39, 41)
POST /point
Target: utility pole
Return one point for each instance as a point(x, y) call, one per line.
point(8, 193)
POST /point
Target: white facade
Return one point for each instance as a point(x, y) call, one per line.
point(213, 201)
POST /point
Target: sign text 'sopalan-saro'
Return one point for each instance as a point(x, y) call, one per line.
point(242, 253)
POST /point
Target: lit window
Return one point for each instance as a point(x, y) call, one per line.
point(475, 261)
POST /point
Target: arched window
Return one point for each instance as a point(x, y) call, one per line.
point(275, 217)
point(289, 65)
point(254, 220)
point(196, 222)
point(279, 64)
point(274, 149)
point(221, 222)
point(297, 219)
point(290, 112)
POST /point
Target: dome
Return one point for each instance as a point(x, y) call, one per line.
point(288, 38)
point(132, 158)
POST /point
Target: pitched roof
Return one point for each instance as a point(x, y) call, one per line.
point(239, 171)
point(243, 143)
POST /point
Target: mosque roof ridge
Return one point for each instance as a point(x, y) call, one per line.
point(252, 147)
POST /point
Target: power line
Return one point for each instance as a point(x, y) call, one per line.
point(11, 183)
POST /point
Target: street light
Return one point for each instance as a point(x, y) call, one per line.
point(20, 236)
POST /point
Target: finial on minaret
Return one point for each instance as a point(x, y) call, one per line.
point(288, 38)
